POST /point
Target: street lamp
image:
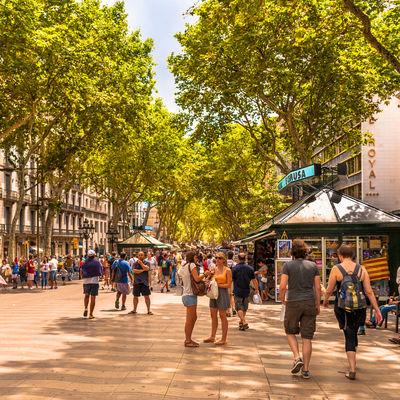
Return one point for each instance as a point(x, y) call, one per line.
point(113, 234)
point(87, 232)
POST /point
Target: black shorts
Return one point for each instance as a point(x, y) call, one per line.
point(23, 278)
point(141, 289)
point(91, 288)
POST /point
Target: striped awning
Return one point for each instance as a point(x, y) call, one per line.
point(377, 268)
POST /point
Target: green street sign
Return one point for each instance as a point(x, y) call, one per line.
point(299, 174)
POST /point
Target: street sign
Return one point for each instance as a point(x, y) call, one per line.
point(299, 174)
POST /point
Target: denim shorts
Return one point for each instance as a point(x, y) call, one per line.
point(189, 301)
point(53, 275)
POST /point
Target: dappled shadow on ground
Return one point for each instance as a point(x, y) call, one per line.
point(143, 357)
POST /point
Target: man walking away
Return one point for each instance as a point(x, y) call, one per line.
point(242, 275)
point(91, 270)
point(173, 262)
point(301, 278)
point(53, 263)
point(164, 271)
point(141, 270)
point(69, 265)
point(121, 270)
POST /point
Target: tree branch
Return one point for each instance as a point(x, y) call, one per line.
point(368, 35)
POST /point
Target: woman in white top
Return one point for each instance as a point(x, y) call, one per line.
point(44, 269)
point(188, 298)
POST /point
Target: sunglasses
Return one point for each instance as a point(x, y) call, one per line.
point(219, 258)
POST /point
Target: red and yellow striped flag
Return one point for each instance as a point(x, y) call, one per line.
point(377, 268)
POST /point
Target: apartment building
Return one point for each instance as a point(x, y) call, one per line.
point(77, 206)
point(373, 169)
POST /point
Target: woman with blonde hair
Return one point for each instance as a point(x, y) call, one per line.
point(223, 277)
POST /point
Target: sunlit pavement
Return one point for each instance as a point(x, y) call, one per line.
point(49, 351)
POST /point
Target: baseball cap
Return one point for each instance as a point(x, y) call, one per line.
point(91, 253)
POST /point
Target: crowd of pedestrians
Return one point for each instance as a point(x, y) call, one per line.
point(228, 282)
point(33, 273)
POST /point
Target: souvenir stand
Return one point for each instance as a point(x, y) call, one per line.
point(324, 220)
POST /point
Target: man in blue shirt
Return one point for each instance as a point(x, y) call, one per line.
point(120, 272)
point(242, 275)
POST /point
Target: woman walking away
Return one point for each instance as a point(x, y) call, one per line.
point(352, 284)
point(188, 298)
point(223, 277)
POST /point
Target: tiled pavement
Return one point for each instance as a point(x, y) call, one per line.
point(48, 351)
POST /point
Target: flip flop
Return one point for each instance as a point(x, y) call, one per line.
point(394, 340)
point(209, 340)
point(132, 312)
point(150, 313)
point(221, 343)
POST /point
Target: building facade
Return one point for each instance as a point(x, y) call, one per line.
point(373, 169)
point(77, 205)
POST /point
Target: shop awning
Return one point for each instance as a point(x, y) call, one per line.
point(141, 240)
point(327, 206)
point(256, 236)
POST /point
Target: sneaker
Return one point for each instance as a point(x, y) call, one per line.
point(168, 290)
point(162, 290)
point(113, 290)
point(305, 374)
point(297, 366)
point(56, 287)
point(117, 304)
point(228, 314)
point(151, 288)
point(85, 313)
point(91, 316)
point(361, 332)
point(123, 308)
point(234, 312)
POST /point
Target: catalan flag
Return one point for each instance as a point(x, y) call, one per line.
point(377, 268)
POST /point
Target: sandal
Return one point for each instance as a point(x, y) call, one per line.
point(191, 344)
point(221, 343)
point(150, 313)
point(370, 324)
point(209, 340)
point(132, 312)
point(350, 375)
point(394, 340)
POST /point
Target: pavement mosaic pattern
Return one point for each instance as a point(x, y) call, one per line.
point(48, 351)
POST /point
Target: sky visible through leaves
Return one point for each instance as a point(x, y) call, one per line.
point(159, 20)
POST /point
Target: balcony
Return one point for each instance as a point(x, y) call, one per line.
point(9, 194)
point(66, 232)
point(26, 229)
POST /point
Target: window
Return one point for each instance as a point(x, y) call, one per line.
point(354, 191)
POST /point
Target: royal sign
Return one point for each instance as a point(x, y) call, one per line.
point(299, 174)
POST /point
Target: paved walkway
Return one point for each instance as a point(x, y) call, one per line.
point(48, 351)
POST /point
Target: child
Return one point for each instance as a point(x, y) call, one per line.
point(64, 274)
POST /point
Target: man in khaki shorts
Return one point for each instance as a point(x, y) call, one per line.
point(302, 280)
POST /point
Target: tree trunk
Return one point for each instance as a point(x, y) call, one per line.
point(48, 231)
point(12, 251)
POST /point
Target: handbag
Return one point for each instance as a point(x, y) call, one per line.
point(264, 279)
point(212, 289)
point(198, 288)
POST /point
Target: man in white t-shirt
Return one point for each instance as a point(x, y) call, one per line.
point(53, 264)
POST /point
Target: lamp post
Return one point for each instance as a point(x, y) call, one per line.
point(87, 232)
point(113, 234)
